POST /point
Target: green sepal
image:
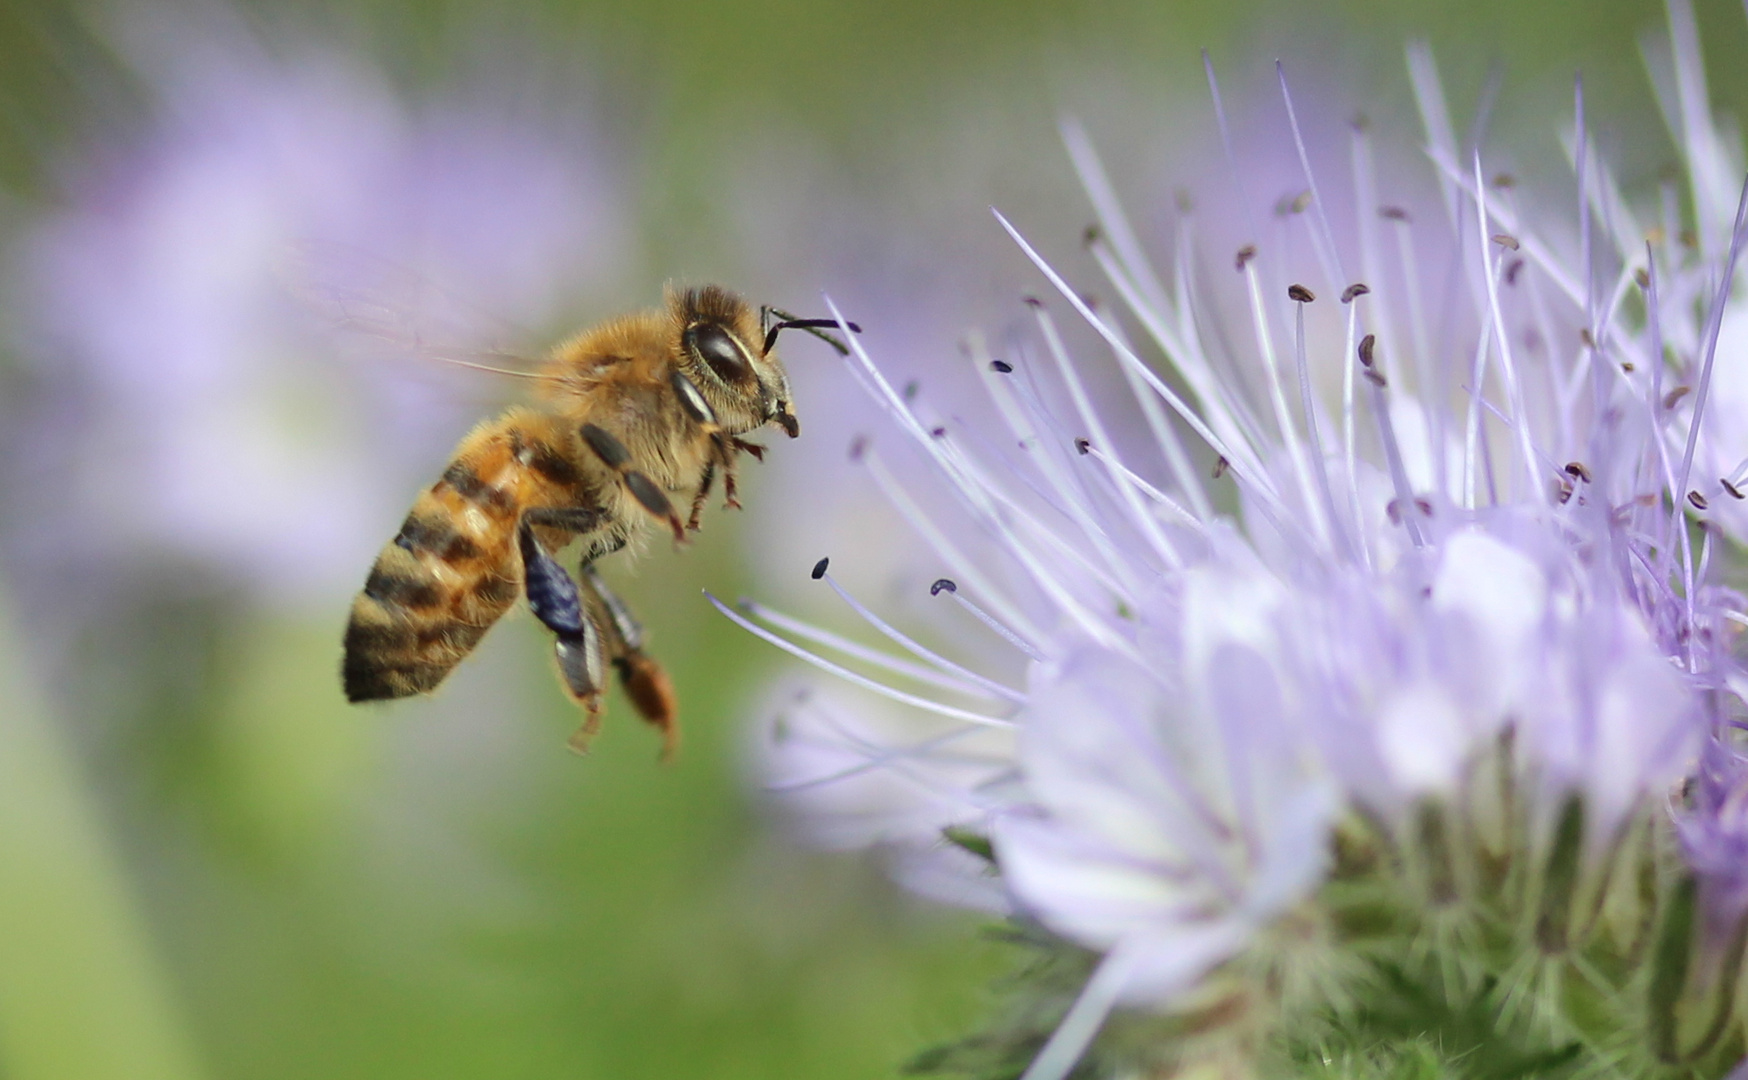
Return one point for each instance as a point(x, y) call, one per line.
point(970, 840)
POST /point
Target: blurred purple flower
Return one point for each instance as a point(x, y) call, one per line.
point(170, 299)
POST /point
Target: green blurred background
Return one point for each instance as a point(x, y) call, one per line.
point(211, 866)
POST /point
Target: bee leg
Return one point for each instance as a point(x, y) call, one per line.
point(645, 683)
point(652, 498)
point(704, 487)
point(728, 487)
point(555, 600)
point(724, 449)
point(572, 519)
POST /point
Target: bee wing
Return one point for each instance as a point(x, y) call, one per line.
point(396, 310)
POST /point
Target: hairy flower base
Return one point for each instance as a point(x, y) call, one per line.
point(1477, 943)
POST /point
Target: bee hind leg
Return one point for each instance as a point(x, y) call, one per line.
point(645, 683)
point(554, 599)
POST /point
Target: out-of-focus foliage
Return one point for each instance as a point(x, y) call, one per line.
point(256, 877)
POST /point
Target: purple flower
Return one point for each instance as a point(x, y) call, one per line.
point(170, 297)
point(1465, 616)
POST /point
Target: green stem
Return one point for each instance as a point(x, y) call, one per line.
point(82, 996)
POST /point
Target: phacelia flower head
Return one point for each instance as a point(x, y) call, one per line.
point(1378, 665)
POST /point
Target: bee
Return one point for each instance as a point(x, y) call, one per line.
point(633, 412)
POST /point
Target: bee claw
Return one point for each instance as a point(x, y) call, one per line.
point(583, 737)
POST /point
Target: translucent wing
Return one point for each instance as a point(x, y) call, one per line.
point(389, 309)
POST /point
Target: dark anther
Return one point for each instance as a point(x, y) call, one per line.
point(1245, 254)
point(1082, 445)
point(1300, 294)
point(1032, 301)
point(1735, 492)
point(1092, 235)
point(1642, 277)
point(942, 585)
point(1376, 379)
point(1627, 366)
point(1505, 240)
point(939, 433)
point(1394, 509)
point(819, 567)
point(1675, 395)
point(1220, 467)
point(1512, 269)
point(1393, 213)
point(1577, 471)
point(1354, 291)
point(1698, 500)
point(910, 390)
point(1505, 180)
point(1585, 336)
point(1000, 367)
point(1367, 345)
point(605, 446)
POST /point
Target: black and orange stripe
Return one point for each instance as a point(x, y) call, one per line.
point(452, 569)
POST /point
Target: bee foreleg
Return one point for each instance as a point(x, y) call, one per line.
point(725, 456)
point(645, 683)
point(704, 487)
point(648, 494)
point(554, 599)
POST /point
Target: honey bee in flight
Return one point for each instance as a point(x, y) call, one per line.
point(633, 411)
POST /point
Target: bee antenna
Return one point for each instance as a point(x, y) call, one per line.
point(816, 327)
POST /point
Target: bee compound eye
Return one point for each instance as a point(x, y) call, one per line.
point(716, 347)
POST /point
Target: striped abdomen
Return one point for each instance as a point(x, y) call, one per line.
point(453, 570)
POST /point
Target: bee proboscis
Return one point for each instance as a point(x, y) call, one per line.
point(635, 410)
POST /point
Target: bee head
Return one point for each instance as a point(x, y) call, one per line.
point(744, 384)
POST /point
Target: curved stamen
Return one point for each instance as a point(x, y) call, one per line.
point(851, 676)
point(907, 642)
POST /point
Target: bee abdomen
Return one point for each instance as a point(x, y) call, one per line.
point(451, 571)
point(405, 633)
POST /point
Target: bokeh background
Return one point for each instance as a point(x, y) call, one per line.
point(231, 240)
